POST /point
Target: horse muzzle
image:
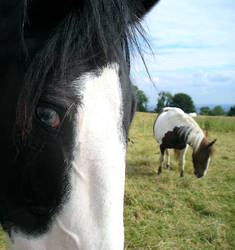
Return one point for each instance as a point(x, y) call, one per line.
point(199, 175)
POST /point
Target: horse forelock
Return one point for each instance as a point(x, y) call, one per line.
point(90, 36)
point(193, 132)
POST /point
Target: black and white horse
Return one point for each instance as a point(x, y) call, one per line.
point(175, 129)
point(66, 107)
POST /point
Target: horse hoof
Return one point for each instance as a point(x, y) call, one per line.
point(181, 174)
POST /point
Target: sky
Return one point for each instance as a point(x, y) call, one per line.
point(193, 44)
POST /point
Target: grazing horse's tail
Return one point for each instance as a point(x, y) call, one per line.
point(177, 154)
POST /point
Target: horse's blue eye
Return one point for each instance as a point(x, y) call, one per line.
point(48, 116)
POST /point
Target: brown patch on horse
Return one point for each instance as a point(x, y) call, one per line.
point(206, 146)
point(204, 151)
point(212, 150)
point(172, 139)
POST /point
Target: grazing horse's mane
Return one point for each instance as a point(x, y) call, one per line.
point(192, 132)
point(104, 29)
point(189, 130)
point(192, 135)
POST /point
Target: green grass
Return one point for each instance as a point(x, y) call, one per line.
point(217, 123)
point(2, 240)
point(168, 212)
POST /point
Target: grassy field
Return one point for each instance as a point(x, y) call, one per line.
point(168, 212)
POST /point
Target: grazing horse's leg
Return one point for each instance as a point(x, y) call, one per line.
point(162, 149)
point(182, 160)
point(168, 166)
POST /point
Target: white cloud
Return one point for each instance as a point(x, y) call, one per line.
point(202, 87)
point(194, 47)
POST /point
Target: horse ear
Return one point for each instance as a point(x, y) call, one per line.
point(43, 15)
point(142, 6)
point(206, 134)
point(211, 143)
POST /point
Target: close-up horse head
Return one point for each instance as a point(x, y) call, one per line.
point(66, 107)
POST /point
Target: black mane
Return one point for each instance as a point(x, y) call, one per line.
point(91, 35)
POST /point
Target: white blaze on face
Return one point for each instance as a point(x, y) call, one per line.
point(207, 165)
point(93, 216)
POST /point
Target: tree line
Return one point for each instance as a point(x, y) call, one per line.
point(180, 100)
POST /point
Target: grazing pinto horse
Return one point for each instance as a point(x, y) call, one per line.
point(175, 129)
point(66, 107)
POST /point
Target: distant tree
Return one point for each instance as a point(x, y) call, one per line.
point(205, 110)
point(184, 102)
point(164, 100)
point(231, 112)
point(142, 100)
point(217, 110)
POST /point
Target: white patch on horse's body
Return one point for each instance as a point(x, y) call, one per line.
point(175, 117)
point(92, 218)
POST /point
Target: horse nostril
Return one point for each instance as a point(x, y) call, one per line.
point(198, 174)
